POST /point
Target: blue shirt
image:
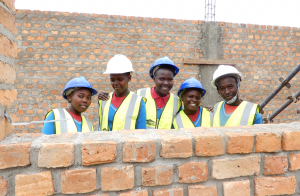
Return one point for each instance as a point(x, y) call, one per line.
point(49, 128)
point(140, 122)
point(224, 117)
point(197, 123)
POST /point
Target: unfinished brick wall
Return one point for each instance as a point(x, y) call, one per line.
point(55, 47)
point(238, 161)
point(8, 53)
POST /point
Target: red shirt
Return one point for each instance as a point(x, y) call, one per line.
point(76, 117)
point(160, 101)
point(116, 101)
point(229, 108)
point(193, 117)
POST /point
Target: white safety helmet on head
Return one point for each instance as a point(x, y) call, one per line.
point(119, 64)
point(225, 70)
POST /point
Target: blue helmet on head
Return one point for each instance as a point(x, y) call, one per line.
point(191, 83)
point(79, 82)
point(162, 61)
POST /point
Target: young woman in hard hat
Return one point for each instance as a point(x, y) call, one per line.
point(193, 115)
point(161, 106)
point(123, 110)
point(232, 111)
point(78, 92)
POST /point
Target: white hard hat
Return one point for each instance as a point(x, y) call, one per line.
point(225, 70)
point(119, 64)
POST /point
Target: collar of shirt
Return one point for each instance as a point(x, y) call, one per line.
point(160, 101)
point(194, 117)
point(76, 117)
point(116, 101)
point(229, 108)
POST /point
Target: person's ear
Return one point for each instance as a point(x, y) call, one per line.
point(129, 77)
point(70, 97)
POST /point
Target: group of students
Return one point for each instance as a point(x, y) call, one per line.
point(152, 108)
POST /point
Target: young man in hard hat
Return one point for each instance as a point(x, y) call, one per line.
point(123, 110)
point(232, 111)
point(78, 92)
point(193, 115)
point(161, 106)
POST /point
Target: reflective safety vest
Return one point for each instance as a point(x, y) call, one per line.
point(243, 115)
point(167, 116)
point(69, 125)
point(182, 120)
point(126, 115)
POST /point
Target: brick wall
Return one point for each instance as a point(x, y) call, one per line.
point(57, 46)
point(259, 160)
point(8, 53)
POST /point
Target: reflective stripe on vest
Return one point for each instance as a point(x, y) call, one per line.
point(243, 115)
point(125, 116)
point(168, 114)
point(183, 121)
point(69, 126)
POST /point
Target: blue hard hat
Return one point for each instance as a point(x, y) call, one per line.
point(79, 82)
point(191, 83)
point(163, 61)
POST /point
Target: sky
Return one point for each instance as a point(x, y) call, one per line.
point(266, 12)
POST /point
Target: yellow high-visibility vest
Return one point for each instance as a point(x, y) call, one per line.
point(182, 120)
point(68, 126)
point(126, 115)
point(243, 115)
point(167, 116)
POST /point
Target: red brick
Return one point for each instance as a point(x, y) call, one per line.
point(155, 176)
point(267, 142)
point(53, 155)
point(236, 188)
point(290, 140)
point(9, 75)
point(168, 192)
point(208, 144)
point(7, 20)
point(115, 179)
point(138, 151)
point(14, 155)
point(192, 172)
point(142, 192)
point(99, 194)
point(98, 152)
point(8, 97)
point(3, 187)
point(10, 4)
point(231, 168)
point(275, 165)
point(294, 162)
point(78, 181)
point(239, 142)
point(7, 48)
point(274, 185)
point(201, 190)
point(34, 184)
point(176, 147)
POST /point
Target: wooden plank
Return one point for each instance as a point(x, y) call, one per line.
point(195, 61)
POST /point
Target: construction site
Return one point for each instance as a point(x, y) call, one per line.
point(40, 51)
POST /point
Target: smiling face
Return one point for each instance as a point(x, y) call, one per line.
point(163, 79)
point(227, 87)
point(191, 101)
point(80, 100)
point(119, 82)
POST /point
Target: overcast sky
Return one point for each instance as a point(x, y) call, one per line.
point(268, 12)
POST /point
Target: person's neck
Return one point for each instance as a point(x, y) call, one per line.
point(190, 112)
point(159, 93)
point(71, 109)
point(123, 94)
